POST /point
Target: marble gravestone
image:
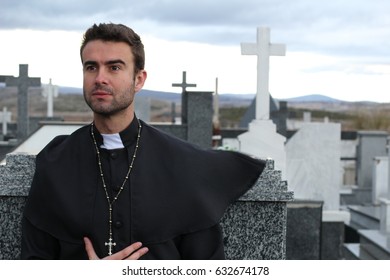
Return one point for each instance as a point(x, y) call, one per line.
point(371, 144)
point(371, 222)
point(313, 161)
point(314, 174)
point(262, 139)
point(380, 181)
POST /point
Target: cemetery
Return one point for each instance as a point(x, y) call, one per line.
point(324, 195)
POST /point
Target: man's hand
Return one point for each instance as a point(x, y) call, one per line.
point(132, 252)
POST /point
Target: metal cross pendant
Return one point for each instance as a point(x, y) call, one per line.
point(110, 244)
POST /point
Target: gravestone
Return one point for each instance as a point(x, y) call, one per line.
point(369, 229)
point(199, 118)
point(306, 117)
point(262, 139)
point(304, 230)
point(15, 181)
point(313, 163)
point(384, 200)
point(370, 145)
point(184, 96)
point(23, 82)
point(314, 174)
point(255, 226)
point(380, 181)
point(5, 118)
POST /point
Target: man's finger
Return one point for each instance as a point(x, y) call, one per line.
point(127, 252)
point(90, 250)
point(137, 254)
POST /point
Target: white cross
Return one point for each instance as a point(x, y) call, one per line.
point(263, 49)
point(5, 117)
point(50, 91)
point(110, 244)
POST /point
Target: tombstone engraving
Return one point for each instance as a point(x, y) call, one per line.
point(23, 82)
point(184, 96)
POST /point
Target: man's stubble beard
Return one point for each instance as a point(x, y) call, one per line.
point(116, 106)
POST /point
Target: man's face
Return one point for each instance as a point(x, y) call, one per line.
point(109, 79)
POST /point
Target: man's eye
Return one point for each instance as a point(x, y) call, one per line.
point(90, 68)
point(115, 68)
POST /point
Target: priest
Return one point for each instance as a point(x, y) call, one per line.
point(119, 188)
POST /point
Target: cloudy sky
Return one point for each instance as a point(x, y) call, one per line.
point(338, 48)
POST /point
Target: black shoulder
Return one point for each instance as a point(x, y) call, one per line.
point(62, 143)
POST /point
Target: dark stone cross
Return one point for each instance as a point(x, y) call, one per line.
point(184, 84)
point(23, 82)
point(184, 98)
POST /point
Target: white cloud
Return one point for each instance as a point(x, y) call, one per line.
point(339, 48)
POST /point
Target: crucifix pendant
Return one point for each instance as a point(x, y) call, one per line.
point(110, 244)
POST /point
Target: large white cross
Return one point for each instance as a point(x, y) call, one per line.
point(263, 49)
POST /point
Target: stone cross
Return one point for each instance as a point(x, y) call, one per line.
point(184, 84)
point(50, 91)
point(5, 117)
point(184, 98)
point(23, 82)
point(263, 49)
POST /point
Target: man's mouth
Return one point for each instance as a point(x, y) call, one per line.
point(100, 93)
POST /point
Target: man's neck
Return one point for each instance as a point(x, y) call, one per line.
point(113, 124)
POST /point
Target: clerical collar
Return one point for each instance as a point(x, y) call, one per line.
point(123, 138)
point(112, 141)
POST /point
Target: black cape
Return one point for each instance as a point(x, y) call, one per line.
point(172, 202)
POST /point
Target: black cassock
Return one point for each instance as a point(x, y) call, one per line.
point(172, 202)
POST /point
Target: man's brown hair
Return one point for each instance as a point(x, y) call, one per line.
point(110, 32)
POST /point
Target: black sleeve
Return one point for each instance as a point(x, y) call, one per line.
point(203, 245)
point(37, 244)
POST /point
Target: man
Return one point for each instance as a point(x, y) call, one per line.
point(111, 185)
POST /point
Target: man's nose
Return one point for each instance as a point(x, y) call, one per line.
point(101, 77)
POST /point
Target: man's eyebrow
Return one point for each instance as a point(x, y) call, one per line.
point(115, 61)
point(89, 62)
point(109, 62)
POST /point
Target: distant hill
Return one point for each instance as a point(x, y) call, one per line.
point(225, 99)
point(70, 90)
point(313, 98)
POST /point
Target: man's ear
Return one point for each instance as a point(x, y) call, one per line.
point(140, 79)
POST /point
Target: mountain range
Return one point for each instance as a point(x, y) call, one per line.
point(224, 99)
